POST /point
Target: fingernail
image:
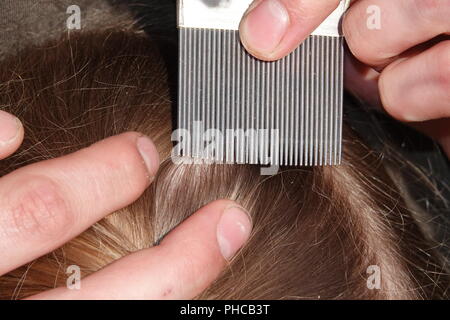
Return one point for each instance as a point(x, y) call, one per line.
point(149, 153)
point(264, 26)
point(233, 230)
point(9, 128)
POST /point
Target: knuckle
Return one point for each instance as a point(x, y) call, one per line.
point(360, 45)
point(442, 61)
point(431, 11)
point(38, 210)
point(351, 37)
point(386, 96)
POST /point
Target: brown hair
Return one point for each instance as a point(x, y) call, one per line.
point(316, 229)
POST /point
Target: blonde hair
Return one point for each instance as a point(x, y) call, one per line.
point(317, 230)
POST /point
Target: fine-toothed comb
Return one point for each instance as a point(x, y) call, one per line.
point(233, 108)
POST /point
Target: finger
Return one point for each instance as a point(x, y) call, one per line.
point(418, 88)
point(378, 31)
point(11, 134)
point(44, 205)
point(271, 29)
point(187, 261)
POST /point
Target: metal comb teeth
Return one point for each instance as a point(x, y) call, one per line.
point(234, 108)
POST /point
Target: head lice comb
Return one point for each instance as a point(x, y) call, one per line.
point(234, 108)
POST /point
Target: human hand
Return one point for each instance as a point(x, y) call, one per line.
point(46, 204)
point(404, 65)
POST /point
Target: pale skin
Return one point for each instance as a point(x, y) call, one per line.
point(46, 204)
point(413, 82)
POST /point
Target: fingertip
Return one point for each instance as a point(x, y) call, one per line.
point(200, 247)
point(11, 134)
point(223, 223)
point(233, 230)
point(272, 29)
point(149, 154)
point(263, 27)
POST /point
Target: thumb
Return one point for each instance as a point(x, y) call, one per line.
point(271, 29)
point(186, 262)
